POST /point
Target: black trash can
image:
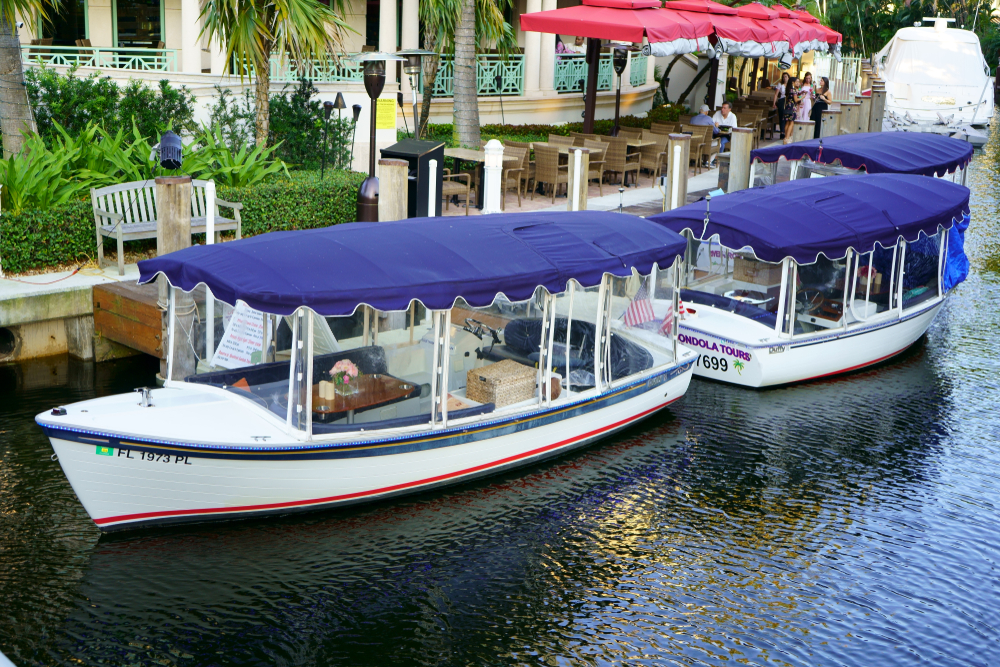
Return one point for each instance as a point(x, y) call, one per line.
point(419, 153)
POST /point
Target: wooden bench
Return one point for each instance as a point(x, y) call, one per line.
point(127, 212)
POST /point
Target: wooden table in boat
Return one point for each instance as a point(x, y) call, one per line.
point(461, 155)
point(370, 390)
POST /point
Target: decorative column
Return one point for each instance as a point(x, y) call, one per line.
point(386, 29)
point(547, 59)
point(532, 50)
point(650, 65)
point(410, 36)
point(190, 61)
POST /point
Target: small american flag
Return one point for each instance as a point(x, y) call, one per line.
point(640, 310)
point(667, 325)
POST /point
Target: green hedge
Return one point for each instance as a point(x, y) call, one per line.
point(63, 234)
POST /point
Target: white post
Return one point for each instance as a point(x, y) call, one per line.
point(432, 189)
point(387, 35)
point(569, 330)
point(209, 298)
point(577, 178)
point(675, 184)
point(436, 319)
point(598, 333)
point(445, 364)
point(309, 375)
point(296, 344)
point(492, 177)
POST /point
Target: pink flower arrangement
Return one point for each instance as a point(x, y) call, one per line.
point(343, 371)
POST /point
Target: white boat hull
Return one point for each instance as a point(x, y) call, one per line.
point(143, 481)
point(782, 361)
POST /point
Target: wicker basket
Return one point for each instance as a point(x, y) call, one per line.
point(754, 271)
point(502, 383)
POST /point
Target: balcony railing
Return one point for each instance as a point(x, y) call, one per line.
point(317, 71)
point(145, 60)
point(638, 75)
point(488, 67)
point(571, 73)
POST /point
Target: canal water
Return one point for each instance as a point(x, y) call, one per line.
point(847, 522)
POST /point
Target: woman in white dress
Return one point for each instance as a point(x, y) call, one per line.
point(805, 108)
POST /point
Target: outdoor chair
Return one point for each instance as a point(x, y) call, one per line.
point(664, 128)
point(548, 170)
point(452, 185)
point(684, 119)
point(512, 175)
point(527, 174)
point(709, 145)
point(619, 160)
point(597, 149)
point(697, 133)
point(651, 157)
point(578, 138)
point(559, 140)
point(630, 133)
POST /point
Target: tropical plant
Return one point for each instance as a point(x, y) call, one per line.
point(212, 159)
point(15, 114)
point(234, 116)
point(251, 31)
point(36, 177)
point(297, 123)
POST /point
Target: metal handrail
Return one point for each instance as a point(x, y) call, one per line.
point(111, 57)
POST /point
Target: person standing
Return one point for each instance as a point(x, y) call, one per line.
point(793, 98)
point(806, 90)
point(778, 103)
point(824, 98)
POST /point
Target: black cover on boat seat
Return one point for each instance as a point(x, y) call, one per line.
point(524, 337)
point(401, 421)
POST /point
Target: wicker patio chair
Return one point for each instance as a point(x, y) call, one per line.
point(618, 159)
point(451, 186)
point(512, 175)
point(527, 174)
point(598, 150)
point(651, 157)
point(559, 140)
point(548, 170)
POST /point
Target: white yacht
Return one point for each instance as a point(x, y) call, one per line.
point(936, 79)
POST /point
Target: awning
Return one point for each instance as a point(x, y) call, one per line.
point(701, 6)
point(738, 36)
point(921, 153)
point(667, 32)
point(431, 260)
point(803, 219)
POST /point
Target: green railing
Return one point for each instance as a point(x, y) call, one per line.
point(317, 71)
point(638, 75)
point(146, 60)
point(571, 73)
point(488, 67)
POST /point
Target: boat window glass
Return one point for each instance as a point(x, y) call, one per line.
point(921, 270)
point(870, 284)
point(819, 295)
point(641, 318)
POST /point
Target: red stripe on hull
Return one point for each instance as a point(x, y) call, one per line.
point(387, 489)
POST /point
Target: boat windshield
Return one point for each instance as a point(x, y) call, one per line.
point(764, 174)
point(418, 368)
point(954, 62)
point(809, 298)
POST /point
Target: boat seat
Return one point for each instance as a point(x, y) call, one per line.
point(734, 306)
point(523, 337)
point(399, 422)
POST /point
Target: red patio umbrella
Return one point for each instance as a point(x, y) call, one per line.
point(702, 6)
point(623, 20)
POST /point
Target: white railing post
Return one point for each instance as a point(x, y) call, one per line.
point(432, 202)
point(492, 177)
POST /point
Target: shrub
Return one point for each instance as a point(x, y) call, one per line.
point(65, 233)
point(303, 201)
point(74, 103)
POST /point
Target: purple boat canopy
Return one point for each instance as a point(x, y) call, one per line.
point(803, 219)
point(879, 152)
point(431, 260)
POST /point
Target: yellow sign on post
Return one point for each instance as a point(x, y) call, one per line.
point(385, 114)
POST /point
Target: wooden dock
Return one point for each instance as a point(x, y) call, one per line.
point(128, 314)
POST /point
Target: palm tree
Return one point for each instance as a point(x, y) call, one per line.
point(254, 30)
point(15, 111)
point(463, 25)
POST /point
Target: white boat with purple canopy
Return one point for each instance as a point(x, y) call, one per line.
point(363, 361)
point(807, 279)
point(864, 153)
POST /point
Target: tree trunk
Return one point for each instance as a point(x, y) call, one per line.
point(739, 77)
point(430, 78)
point(694, 82)
point(466, 93)
point(262, 101)
point(15, 111)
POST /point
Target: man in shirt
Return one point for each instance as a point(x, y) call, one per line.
point(724, 118)
point(704, 119)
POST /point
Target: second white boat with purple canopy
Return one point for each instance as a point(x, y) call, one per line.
point(807, 279)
